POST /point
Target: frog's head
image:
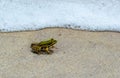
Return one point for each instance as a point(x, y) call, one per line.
point(53, 41)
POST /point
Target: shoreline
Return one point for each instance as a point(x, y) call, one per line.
point(59, 28)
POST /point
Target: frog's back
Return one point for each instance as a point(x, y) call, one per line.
point(42, 43)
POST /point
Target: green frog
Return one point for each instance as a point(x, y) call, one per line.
point(43, 46)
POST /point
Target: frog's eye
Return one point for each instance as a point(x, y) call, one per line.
point(52, 39)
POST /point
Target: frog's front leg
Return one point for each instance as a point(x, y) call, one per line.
point(47, 50)
point(53, 47)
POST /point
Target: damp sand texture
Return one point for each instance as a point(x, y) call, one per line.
point(79, 54)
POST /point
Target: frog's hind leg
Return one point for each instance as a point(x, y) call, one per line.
point(46, 50)
point(36, 49)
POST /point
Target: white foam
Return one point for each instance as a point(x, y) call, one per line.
point(96, 15)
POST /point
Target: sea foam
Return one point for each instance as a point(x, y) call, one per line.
point(95, 15)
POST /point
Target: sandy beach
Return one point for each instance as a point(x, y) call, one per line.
point(79, 54)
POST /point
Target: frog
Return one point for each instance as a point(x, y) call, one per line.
point(43, 46)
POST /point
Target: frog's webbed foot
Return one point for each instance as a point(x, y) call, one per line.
point(51, 51)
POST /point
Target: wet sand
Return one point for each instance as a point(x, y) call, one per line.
point(79, 54)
